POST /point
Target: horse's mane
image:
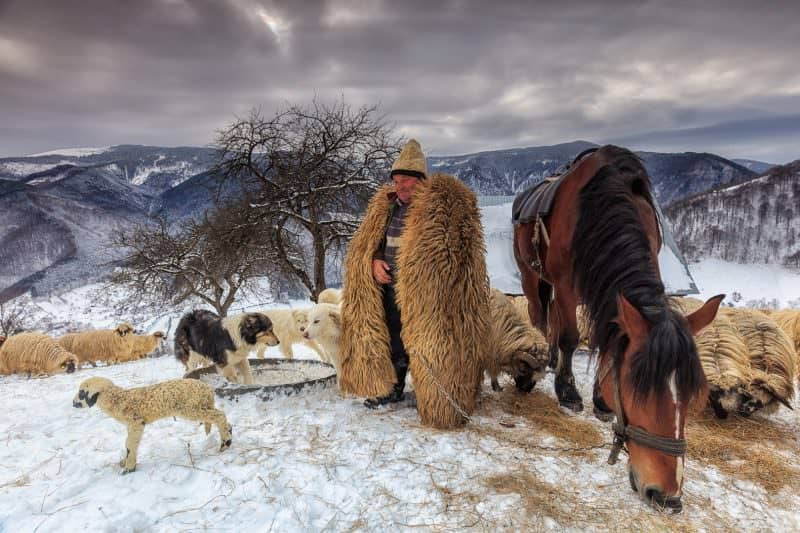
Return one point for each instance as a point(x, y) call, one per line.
point(612, 256)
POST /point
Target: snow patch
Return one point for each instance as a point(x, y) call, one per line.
point(74, 152)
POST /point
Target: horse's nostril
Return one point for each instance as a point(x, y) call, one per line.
point(656, 497)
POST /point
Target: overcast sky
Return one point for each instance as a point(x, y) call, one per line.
point(461, 76)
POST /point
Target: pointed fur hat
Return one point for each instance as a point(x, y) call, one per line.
point(411, 161)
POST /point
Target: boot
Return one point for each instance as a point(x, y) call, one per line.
point(396, 395)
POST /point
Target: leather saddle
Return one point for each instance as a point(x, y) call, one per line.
point(537, 200)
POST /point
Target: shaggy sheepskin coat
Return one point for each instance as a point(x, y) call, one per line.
point(443, 295)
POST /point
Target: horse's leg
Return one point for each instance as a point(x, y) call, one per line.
point(567, 336)
point(531, 282)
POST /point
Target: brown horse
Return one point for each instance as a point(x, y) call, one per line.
point(599, 245)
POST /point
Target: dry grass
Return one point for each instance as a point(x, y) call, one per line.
point(541, 500)
point(747, 448)
point(544, 413)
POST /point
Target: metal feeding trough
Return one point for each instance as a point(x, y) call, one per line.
point(272, 377)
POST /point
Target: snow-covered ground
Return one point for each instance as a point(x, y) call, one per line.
point(748, 285)
point(315, 461)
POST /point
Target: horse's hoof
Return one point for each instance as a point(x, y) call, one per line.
point(575, 407)
point(568, 395)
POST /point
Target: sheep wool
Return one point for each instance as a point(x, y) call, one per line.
point(35, 353)
point(110, 345)
point(443, 295)
point(189, 399)
point(772, 356)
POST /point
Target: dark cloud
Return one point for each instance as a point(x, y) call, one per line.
point(460, 75)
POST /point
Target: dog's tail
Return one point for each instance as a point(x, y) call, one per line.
point(182, 346)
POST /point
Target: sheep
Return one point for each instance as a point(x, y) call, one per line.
point(185, 398)
point(726, 363)
point(521, 306)
point(35, 353)
point(108, 345)
point(789, 321)
point(515, 345)
point(325, 327)
point(288, 325)
point(330, 296)
point(772, 359)
point(144, 345)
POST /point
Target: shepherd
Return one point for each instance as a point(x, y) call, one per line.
point(416, 295)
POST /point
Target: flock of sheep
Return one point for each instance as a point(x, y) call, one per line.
point(751, 357)
point(39, 354)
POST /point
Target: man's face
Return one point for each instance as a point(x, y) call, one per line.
point(404, 186)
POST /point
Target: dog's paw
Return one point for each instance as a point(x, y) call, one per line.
point(225, 445)
point(126, 470)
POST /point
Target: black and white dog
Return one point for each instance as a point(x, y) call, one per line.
point(225, 342)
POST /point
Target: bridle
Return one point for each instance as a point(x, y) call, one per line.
point(623, 431)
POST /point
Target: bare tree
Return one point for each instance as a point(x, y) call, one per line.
point(13, 318)
point(315, 167)
point(213, 259)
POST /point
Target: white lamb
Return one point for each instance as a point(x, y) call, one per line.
point(189, 399)
point(325, 327)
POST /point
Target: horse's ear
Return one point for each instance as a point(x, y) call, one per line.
point(705, 315)
point(630, 319)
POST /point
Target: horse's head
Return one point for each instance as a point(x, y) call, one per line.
point(655, 375)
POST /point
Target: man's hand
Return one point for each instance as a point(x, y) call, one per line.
point(380, 271)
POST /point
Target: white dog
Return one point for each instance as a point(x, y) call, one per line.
point(288, 325)
point(325, 327)
point(330, 296)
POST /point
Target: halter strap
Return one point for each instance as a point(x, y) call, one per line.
point(624, 432)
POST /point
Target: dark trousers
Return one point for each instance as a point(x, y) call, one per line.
point(399, 355)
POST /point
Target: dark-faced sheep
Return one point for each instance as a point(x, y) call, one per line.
point(772, 360)
point(516, 347)
point(135, 408)
point(35, 354)
point(726, 363)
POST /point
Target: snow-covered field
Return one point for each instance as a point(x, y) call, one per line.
point(315, 461)
point(748, 285)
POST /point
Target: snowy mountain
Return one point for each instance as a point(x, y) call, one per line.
point(756, 166)
point(507, 172)
point(755, 222)
point(58, 208)
point(155, 167)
